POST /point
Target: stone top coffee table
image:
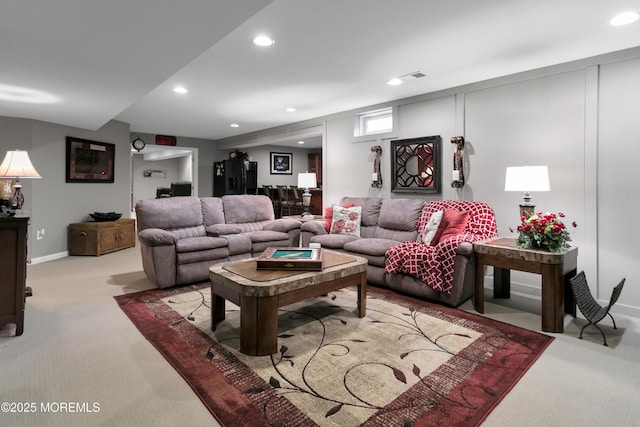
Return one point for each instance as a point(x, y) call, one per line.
point(259, 294)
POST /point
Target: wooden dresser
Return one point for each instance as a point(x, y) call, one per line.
point(13, 265)
point(97, 238)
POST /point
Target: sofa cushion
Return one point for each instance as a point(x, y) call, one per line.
point(238, 244)
point(370, 246)
point(370, 208)
point(222, 229)
point(247, 208)
point(398, 219)
point(346, 220)
point(192, 244)
point(428, 232)
point(453, 223)
point(267, 236)
point(332, 241)
point(328, 216)
point(169, 213)
point(212, 210)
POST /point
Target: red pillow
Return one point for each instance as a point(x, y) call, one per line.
point(328, 215)
point(452, 224)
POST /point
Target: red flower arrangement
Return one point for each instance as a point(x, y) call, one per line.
point(546, 231)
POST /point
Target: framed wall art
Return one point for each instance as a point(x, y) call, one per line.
point(281, 163)
point(415, 165)
point(89, 161)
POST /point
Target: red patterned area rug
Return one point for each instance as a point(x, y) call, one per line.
point(407, 363)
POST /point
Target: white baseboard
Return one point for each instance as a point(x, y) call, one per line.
point(49, 257)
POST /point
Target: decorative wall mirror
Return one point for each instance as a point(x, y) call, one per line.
point(415, 165)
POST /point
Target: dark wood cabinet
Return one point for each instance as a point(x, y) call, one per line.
point(13, 265)
point(235, 177)
point(315, 165)
point(97, 238)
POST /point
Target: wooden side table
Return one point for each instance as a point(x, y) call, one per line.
point(556, 269)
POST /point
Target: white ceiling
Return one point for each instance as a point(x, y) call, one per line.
point(120, 59)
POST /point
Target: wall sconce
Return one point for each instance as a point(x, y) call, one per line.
point(16, 164)
point(376, 176)
point(457, 175)
point(306, 180)
point(527, 178)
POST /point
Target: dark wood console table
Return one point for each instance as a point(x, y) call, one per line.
point(556, 269)
point(13, 264)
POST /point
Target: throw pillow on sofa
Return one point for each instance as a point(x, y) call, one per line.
point(328, 215)
point(346, 220)
point(453, 223)
point(429, 230)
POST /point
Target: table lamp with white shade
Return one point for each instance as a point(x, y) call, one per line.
point(16, 164)
point(306, 180)
point(527, 179)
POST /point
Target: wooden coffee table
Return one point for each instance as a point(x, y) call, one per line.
point(259, 294)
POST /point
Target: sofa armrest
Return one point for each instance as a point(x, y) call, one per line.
point(217, 230)
point(283, 225)
point(156, 237)
point(314, 227)
point(465, 249)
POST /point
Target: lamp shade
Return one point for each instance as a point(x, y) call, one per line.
point(307, 180)
point(527, 178)
point(16, 164)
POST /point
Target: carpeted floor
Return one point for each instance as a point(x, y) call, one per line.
point(407, 362)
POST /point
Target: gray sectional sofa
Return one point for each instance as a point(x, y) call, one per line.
point(181, 237)
point(386, 223)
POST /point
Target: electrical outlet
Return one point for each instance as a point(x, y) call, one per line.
point(40, 234)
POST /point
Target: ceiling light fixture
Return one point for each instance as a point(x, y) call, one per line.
point(290, 110)
point(394, 82)
point(624, 18)
point(180, 89)
point(300, 142)
point(234, 125)
point(263, 41)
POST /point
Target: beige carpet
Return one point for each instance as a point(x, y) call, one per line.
point(78, 346)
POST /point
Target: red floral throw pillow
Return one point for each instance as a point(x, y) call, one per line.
point(328, 215)
point(452, 224)
point(346, 220)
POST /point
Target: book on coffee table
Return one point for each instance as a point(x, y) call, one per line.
point(306, 259)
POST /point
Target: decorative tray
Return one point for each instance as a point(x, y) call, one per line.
point(290, 259)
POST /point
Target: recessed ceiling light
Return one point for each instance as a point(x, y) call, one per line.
point(300, 142)
point(263, 41)
point(180, 89)
point(624, 18)
point(394, 82)
point(234, 125)
point(290, 110)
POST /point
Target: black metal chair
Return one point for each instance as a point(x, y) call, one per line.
point(589, 307)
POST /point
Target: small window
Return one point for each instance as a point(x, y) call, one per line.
point(373, 122)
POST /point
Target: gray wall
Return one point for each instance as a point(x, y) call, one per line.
point(52, 203)
point(580, 119)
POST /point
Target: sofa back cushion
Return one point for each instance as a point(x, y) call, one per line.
point(212, 211)
point(171, 213)
point(398, 219)
point(247, 208)
point(370, 213)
